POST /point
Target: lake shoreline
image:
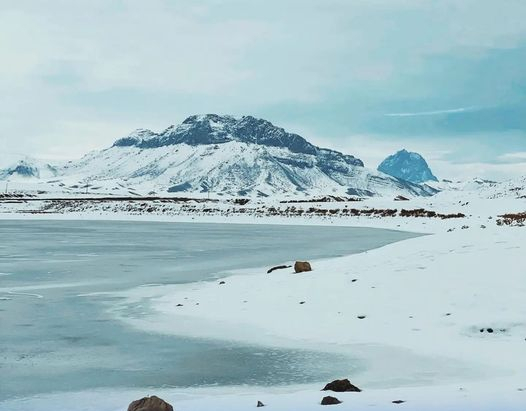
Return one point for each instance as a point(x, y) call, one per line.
point(49, 291)
point(466, 250)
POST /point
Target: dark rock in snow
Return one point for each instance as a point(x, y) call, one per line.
point(330, 400)
point(398, 401)
point(152, 403)
point(302, 266)
point(278, 267)
point(341, 386)
point(260, 404)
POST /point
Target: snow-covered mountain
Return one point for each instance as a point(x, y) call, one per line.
point(407, 166)
point(28, 168)
point(217, 155)
point(482, 188)
point(224, 155)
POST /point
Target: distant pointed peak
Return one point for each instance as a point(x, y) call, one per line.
point(407, 165)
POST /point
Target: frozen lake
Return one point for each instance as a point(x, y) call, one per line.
point(55, 338)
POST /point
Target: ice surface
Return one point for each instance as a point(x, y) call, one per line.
point(59, 331)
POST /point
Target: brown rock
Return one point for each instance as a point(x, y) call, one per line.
point(330, 400)
point(152, 403)
point(301, 266)
point(341, 386)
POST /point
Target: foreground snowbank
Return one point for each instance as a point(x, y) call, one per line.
point(479, 397)
point(412, 312)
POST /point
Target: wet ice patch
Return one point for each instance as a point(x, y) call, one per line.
point(25, 294)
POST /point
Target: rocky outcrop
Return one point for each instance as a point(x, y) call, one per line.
point(152, 403)
point(328, 400)
point(216, 129)
point(341, 386)
point(302, 266)
point(407, 166)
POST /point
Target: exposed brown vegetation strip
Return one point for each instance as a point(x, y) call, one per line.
point(183, 206)
point(516, 219)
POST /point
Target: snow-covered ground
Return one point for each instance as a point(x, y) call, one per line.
point(438, 321)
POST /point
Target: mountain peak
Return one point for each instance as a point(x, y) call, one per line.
point(203, 129)
point(408, 166)
point(199, 118)
point(28, 167)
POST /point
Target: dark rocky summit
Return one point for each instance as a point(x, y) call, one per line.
point(216, 129)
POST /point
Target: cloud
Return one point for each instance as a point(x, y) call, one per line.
point(432, 113)
point(80, 74)
point(512, 158)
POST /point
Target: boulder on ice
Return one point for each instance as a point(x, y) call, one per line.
point(301, 266)
point(152, 403)
point(341, 386)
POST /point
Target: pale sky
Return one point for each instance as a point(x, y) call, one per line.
point(445, 78)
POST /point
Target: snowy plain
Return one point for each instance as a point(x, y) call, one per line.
point(439, 321)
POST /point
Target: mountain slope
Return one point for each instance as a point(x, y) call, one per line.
point(407, 166)
point(215, 129)
point(228, 156)
point(482, 189)
point(28, 168)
